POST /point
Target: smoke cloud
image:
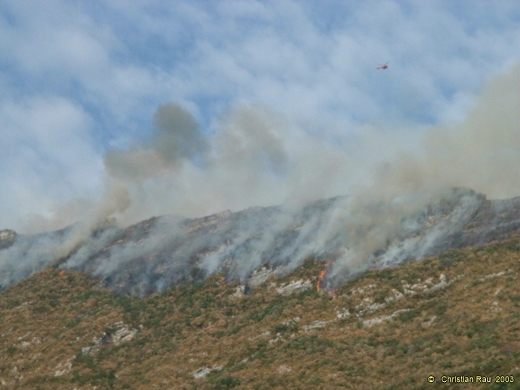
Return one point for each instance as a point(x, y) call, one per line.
point(177, 139)
point(481, 153)
point(255, 157)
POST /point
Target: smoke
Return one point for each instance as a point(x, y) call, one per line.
point(255, 157)
point(399, 206)
point(481, 153)
point(176, 140)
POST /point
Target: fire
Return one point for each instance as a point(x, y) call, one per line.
point(321, 276)
point(61, 273)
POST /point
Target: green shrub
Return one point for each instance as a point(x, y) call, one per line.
point(225, 382)
point(409, 315)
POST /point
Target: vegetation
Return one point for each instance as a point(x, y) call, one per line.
point(60, 331)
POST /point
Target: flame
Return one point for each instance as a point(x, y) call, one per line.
point(61, 273)
point(321, 276)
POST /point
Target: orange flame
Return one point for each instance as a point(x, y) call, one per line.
point(61, 273)
point(322, 274)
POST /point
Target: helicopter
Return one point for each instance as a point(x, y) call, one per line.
point(384, 66)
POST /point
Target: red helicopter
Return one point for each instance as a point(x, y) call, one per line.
point(384, 66)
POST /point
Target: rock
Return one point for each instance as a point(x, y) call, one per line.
point(118, 333)
point(7, 238)
point(259, 276)
point(380, 319)
point(429, 323)
point(63, 368)
point(122, 334)
point(315, 325)
point(239, 292)
point(293, 287)
point(343, 314)
point(495, 275)
point(203, 371)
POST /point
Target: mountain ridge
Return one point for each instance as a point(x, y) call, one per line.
point(162, 251)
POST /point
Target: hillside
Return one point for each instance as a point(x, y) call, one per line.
point(351, 234)
point(457, 315)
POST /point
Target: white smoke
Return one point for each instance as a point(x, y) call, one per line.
point(257, 158)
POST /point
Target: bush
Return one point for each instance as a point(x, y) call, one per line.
point(272, 308)
point(225, 382)
point(409, 315)
point(282, 328)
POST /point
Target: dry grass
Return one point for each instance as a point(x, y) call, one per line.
point(468, 325)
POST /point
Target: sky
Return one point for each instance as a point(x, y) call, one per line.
point(139, 108)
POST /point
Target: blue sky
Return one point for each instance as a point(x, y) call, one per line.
point(81, 78)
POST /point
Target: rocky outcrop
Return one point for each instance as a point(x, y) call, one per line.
point(116, 334)
point(7, 238)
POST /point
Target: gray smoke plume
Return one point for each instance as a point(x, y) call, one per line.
point(401, 208)
point(481, 153)
point(177, 139)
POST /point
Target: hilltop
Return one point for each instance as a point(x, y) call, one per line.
point(351, 235)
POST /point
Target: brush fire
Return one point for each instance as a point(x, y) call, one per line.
point(320, 283)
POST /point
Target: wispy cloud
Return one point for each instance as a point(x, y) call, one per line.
point(81, 78)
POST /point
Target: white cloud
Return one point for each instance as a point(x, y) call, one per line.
point(47, 156)
point(95, 72)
